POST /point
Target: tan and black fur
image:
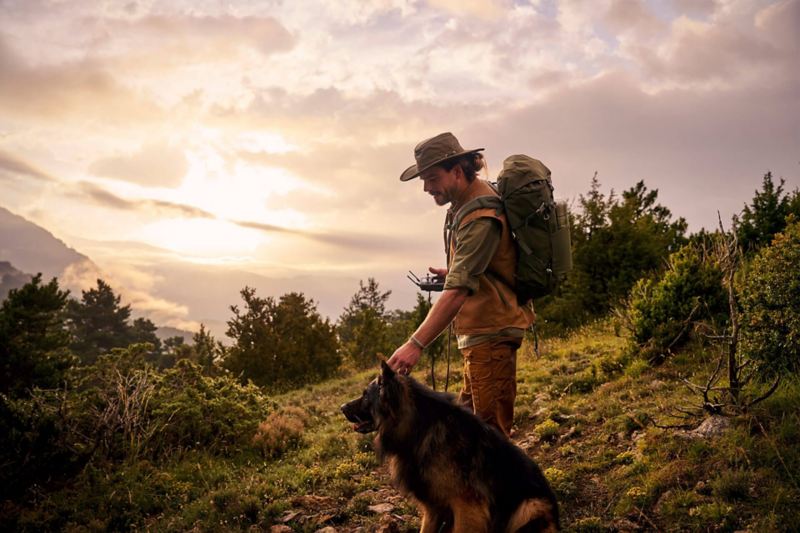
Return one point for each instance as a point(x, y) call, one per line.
point(465, 476)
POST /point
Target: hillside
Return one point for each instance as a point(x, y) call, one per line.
point(585, 415)
point(32, 248)
point(11, 278)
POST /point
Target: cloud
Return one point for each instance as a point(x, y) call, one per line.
point(346, 240)
point(268, 228)
point(626, 16)
point(135, 286)
point(14, 166)
point(79, 88)
point(159, 164)
point(696, 8)
point(202, 38)
point(360, 12)
point(342, 240)
point(109, 199)
point(734, 47)
point(779, 23)
point(484, 9)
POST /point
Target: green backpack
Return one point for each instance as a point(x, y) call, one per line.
point(539, 225)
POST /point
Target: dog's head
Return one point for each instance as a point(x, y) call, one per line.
point(377, 403)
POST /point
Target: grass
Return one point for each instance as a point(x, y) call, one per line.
point(583, 412)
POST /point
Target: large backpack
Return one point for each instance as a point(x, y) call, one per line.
point(539, 225)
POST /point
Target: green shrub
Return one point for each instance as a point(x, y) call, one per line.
point(197, 411)
point(661, 311)
point(770, 300)
point(121, 408)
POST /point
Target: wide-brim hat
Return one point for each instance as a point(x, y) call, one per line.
point(434, 151)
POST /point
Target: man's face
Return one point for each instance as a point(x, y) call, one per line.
point(443, 185)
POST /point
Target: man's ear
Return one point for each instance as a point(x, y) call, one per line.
point(386, 371)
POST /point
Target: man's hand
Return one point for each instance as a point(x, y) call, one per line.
point(440, 315)
point(440, 273)
point(405, 357)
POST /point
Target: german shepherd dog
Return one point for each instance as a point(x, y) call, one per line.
point(465, 476)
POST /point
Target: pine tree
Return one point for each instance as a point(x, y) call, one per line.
point(280, 344)
point(33, 337)
point(363, 326)
point(206, 350)
point(616, 241)
point(765, 216)
point(99, 323)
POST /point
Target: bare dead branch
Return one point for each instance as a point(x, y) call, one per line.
point(767, 394)
point(686, 324)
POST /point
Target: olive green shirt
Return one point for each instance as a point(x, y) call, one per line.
point(476, 243)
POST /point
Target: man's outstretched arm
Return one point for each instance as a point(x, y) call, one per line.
point(439, 317)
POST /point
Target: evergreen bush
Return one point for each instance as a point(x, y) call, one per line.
point(770, 300)
point(661, 310)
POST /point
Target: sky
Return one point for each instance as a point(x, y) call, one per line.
point(192, 147)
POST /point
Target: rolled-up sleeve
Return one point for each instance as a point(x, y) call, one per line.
point(476, 244)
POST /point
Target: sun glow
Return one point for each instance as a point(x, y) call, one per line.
point(231, 193)
point(236, 190)
point(204, 239)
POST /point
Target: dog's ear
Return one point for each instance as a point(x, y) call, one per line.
point(386, 372)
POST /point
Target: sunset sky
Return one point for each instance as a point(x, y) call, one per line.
point(192, 147)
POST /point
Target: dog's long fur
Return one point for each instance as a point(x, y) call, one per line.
point(465, 476)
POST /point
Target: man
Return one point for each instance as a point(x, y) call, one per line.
point(478, 283)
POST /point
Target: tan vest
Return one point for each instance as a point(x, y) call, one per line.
point(494, 305)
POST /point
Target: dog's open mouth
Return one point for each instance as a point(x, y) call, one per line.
point(363, 426)
point(360, 418)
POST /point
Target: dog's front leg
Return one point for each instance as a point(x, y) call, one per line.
point(431, 519)
point(470, 516)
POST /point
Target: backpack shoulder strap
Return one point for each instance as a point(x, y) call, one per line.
point(454, 220)
point(481, 202)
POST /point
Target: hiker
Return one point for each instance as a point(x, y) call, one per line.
point(478, 294)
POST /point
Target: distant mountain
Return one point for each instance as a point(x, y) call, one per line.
point(32, 248)
point(11, 278)
point(165, 332)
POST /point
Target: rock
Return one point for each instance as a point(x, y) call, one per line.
point(288, 516)
point(381, 508)
point(713, 426)
point(571, 432)
point(663, 498)
point(280, 529)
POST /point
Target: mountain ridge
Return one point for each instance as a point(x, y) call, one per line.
point(31, 248)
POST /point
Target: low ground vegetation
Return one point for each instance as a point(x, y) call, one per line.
point(586, 412)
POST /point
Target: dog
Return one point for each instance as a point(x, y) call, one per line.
point(463, 474)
